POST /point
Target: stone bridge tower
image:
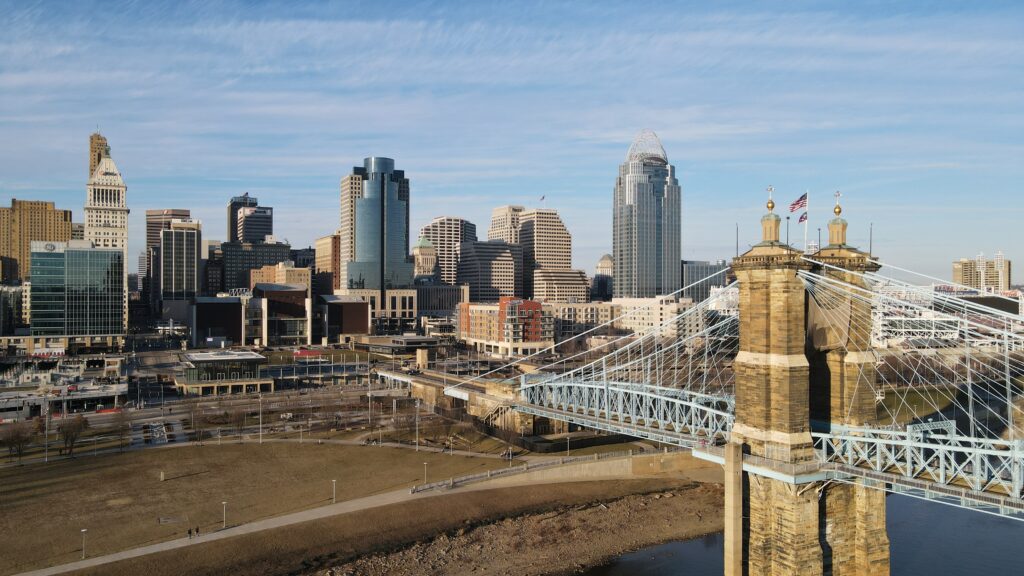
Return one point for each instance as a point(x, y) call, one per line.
point(793, 377)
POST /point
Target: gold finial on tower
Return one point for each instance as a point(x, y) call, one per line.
point(770, 222)
point(837, 226)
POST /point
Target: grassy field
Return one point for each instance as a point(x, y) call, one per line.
point(123, 504)
point(909, 405)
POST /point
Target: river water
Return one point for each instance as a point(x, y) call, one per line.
point(925, 538)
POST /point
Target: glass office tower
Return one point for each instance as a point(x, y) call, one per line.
point(375, 227)
point(80, 290)
point(646, 222)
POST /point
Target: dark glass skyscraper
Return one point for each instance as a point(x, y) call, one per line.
point(79, 290)
point(243, 201)
point(646, 222)
point(375, 227)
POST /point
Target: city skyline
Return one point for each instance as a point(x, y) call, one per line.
point(921, 135)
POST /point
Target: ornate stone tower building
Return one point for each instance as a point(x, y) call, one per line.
point(780, 518)
point(106, 211)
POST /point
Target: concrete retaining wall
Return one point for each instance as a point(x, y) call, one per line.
point(653, 465)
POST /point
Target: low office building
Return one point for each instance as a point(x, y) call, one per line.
point(338, 319)
point(279, 315)
point(398, 345)
point(575, 319)
point(239, 259)
point(561, 286)
point(511, 327)
point(217, 322)
point(662, 313)
point(223, 372)
point(77, 297)
point(282, 273)
point(395, 314)
point(440, 300)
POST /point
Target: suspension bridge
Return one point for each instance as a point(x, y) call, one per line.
point(811, 372)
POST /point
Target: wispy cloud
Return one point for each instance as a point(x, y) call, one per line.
point(482, 105)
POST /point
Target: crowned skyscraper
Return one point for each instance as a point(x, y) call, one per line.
point(646, 222)
point(106, 209)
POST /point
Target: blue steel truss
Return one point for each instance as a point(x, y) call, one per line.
point(620, 393)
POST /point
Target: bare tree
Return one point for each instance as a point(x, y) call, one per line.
point(71, 430)
point(122, 427)
point(16, 436)
point(238, 421)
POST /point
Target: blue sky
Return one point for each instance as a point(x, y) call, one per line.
point(915, 115)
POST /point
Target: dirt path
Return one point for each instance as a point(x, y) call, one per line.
point(563, 540)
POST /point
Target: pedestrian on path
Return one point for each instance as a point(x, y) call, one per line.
point(189, 533)
point(197, 531)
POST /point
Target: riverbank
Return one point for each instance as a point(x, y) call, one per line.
point(564, 539)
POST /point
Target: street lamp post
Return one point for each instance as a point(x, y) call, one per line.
point(83, 542)
point(334, 491)
point(424, 472)
point(224, 515)
point(417, 424)
point(261, 417)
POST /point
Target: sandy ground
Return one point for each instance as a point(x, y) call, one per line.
point(120, 499)
point(563, 540)
point(313, 548)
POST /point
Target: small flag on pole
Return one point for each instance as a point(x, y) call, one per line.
point(803, 218)
point(799, 203)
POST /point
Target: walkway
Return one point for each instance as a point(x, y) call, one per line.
point(356, 505)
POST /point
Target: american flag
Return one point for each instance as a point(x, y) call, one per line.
point(799, 203)
point(803, 217)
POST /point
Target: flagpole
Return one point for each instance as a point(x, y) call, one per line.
point(807, 208)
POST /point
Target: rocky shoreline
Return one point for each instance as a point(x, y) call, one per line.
point(562, 540)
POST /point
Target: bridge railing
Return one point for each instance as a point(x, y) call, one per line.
point(611, 405)
point(523, 468)
point(981, 464)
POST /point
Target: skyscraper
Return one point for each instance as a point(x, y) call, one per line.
point(695, 282)
point(547, 245)
point(601, 284)
point(179, 274)
point(646, 222)
point(98, 148)
point(505, 224)
point(375, 227)
point(77, 289)
point(254, 223)
point(156, 222)
point(446, 233)
point(983, 274)
point(243, 201)
point(106, 212)
point(21, 224)
point(328, 264)
point(492, 269)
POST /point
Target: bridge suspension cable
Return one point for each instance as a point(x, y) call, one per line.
point(600, 327)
